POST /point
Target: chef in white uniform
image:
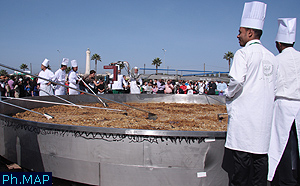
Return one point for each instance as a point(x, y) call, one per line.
point(134, 81)
point(60, 77)
point(45, 86)
point(117, 86)
point(73, 78)
point(250, 100)
point(287, 106)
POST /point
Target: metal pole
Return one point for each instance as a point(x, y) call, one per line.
point(72, 105)
point(59, 97)
point(164, 57)
point(104, 104)
point(10, 104)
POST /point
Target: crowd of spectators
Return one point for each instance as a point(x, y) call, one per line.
point(162, 86)
point(20, 86)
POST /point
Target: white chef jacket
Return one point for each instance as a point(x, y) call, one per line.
point(72, 83)
point(251, 98)
point(134, 88)
point(47, 74)
point(60, 77)
point(118, 85)
point(287, 105)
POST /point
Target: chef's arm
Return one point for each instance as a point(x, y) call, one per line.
point(73, 78)
point(237, 74)
point(233, 87)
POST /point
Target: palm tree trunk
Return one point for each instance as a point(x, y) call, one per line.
point(156, 69)
point(96, 65)
point(229, 65)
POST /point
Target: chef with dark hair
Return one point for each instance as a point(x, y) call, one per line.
point(284, 151)
point(44, 85)
point(250, 100)
point(73, 78)
point(60, 77)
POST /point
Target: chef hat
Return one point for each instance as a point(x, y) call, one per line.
point(254, 15)
point(136, 68)
point(74, 63)
point(286, 30)
point(65, 61)
point(45, 62)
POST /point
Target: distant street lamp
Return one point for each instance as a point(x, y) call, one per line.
point(164, 57)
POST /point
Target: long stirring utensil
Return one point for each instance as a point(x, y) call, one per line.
point(150, 115)
point(48, 116)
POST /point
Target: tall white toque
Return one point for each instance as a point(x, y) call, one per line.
point(286, 30)
point(65, 61)
point(45, 62)
point(74, 63)
point(254, 15)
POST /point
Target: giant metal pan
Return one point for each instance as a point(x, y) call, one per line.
point(112, 156)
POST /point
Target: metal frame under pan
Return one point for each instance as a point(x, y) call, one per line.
point(113, 156)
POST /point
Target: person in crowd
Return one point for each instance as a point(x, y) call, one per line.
point(135, 82)
point(160, 86)
point(10, 83)
point(73, 78)
point(118, 85)
point(2, 85)
point(201, 87)
point(212, 88)
point(190, 88)
point(248, 132)
point(6, 86)
point(221, 87)
point(35, 91)
point(283, 151)
point(90, 82)
point(144, 87)
point(147, 88)
point(177, 86)
point(151, 81)
point(155, 82)
point(45, 87)
point(169, 87)
point(183, 88)
point(27, 87)
point(101, 87)
point(17, 88)
point(126, 86)
point(60, 77)
point(154, 89)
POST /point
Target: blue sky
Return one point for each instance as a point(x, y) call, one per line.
point(193, 32)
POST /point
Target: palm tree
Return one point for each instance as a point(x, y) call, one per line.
point(121, 66)
point(228, 56)
point(96, 57)
point(3, 72)
point(68, 70)
point(156, 62)
point(23, 66)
